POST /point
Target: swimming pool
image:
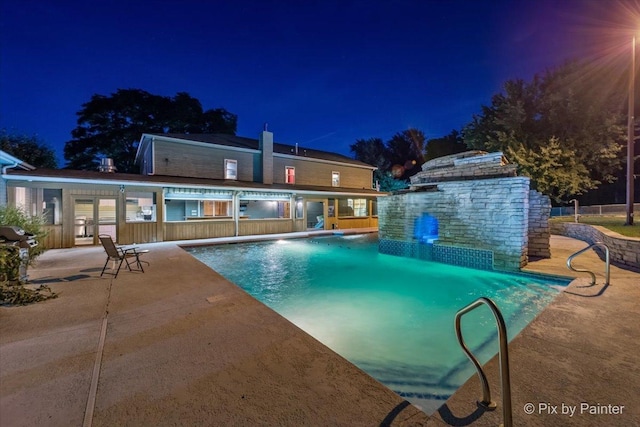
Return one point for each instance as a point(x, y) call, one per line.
point(390, 316)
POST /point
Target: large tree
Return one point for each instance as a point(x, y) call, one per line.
point(29, 149)
point(563, 129)
point(406, 152)
point(373, 151)
point(111, 126)
point(448, 144)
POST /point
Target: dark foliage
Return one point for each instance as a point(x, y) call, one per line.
point(28, 149)
point(111, 126)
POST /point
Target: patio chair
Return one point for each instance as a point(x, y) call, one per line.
point(119, 254)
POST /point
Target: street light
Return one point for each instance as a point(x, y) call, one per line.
point(630, 134)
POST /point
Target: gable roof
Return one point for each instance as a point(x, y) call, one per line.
point(254, 144)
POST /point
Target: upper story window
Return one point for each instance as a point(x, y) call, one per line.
point(289, 175)
point(230, 169)
point(335, 179)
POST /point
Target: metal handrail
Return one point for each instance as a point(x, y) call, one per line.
point(593, 276)
point(486, 401)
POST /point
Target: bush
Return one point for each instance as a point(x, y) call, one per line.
point(12, 290)
point(31, 224)
point(9, 264)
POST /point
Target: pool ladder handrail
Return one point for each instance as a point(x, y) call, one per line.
point(593, 276)
point(486, 401)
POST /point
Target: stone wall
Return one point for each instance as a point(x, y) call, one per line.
point(464, 166)
point(539, 232)
point(484, 214)
point(623, 251)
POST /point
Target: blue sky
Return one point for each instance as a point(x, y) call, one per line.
point(321, 73)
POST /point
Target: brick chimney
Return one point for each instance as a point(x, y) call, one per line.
point(266, 147)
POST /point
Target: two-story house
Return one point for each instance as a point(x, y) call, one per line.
point(200, 186)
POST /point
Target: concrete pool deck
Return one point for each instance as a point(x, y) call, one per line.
point(180, 345)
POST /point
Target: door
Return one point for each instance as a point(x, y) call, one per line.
point(94, 216)
point(315, 215)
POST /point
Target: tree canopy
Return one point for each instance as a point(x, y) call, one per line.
point(29, 149)
point(448, 144)
point(562, 129)
point(406, 153)
point(396, 160)
point(111, 126)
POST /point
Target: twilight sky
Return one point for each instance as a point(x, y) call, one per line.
point(321, 73)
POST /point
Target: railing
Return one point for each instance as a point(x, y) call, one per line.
point(486, 401)
point(619, 209)
point(593, 276)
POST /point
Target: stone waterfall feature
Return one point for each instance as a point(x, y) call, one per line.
point(468, 209)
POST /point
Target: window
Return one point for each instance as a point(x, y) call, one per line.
point(52, 205)
point(352, 207)
point(230, 169)
point(289, 175)
point(46, 202)
point(21, 199)
point(216, 208)
point(335, 179)
point(299, 208)
point(141, 206)
point(264, 209)
point(197, 209)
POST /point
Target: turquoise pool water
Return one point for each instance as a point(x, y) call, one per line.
point(391, 316)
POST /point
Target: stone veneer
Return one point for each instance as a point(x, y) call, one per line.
point(481, 214)
point(623, 251)
point(539, 232)
point(486, 215)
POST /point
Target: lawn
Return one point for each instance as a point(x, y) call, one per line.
point(613, 223)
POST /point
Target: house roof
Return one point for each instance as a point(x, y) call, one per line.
point(95, 177)
point(253, 144)
point(7, 159)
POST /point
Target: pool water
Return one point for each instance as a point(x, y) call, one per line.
point(391, 316)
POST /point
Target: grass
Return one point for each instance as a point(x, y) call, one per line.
point(613, 223)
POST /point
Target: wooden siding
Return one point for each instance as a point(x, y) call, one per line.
point(299, 225)
point(357, 222)
point(310, 172)
point(137, 232)
point(265, 226)
point(203, 162)
point(54, 238)
point(198, 229)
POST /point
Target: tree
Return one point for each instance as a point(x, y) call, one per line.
point(28, 149)
point(374, 152)
point(563, 129)
point(371, 151)
point(111, 126)
point(449, 144)
point(405, 151)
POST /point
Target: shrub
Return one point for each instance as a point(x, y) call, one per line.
point(9, 263)
point(12, 290)
point(33, 224)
